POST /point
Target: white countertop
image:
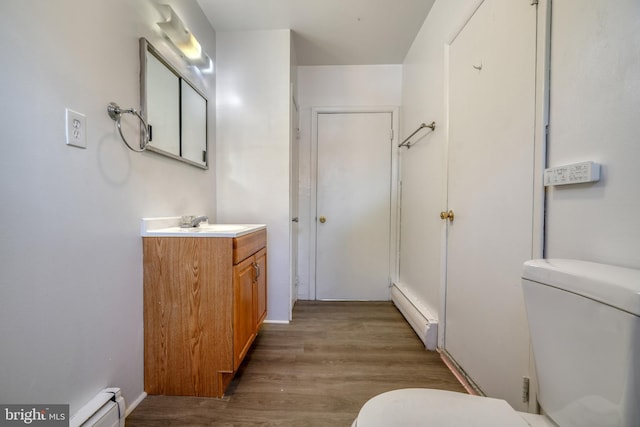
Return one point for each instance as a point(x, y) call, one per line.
point(169, 227)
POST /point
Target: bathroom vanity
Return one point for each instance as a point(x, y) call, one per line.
point(205, 298)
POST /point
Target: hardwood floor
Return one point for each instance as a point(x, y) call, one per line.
point(317, 371)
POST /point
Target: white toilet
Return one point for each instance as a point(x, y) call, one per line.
point(584, 320)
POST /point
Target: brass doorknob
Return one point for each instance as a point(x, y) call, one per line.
point(322, 220)
point(447, 215)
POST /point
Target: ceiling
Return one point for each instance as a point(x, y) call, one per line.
point(329, 32)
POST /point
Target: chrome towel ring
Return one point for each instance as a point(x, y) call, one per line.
point(115, 112)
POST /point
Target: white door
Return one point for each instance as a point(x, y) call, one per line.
point(490, 191)
point(353, 206)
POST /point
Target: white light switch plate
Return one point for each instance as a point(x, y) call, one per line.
point(576, 173)
point(76, 125)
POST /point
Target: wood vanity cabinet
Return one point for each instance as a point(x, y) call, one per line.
point(205, 299)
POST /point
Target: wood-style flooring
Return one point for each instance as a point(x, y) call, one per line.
point(316, 371)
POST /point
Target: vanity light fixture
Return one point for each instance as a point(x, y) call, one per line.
point(184, 40)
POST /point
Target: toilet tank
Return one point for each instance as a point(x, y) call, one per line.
point(584, 320)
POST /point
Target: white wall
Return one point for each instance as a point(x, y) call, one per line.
point(252, 160)
point(334, 86)
point(70, 246)
point(423, 169)
point(595, 106)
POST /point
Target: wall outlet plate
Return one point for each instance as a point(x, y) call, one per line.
point(76, 125)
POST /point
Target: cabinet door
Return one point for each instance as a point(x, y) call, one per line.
point(261, 287)
point(244, 323)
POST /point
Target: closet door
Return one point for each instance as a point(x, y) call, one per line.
point(490, 191)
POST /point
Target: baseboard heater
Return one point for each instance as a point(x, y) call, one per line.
point(106, 409)
point(424, 324)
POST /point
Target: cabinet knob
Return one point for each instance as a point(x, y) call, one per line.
point(447, 215)
point(322, 219)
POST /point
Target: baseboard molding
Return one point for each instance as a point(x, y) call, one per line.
point(460, 375)
point(133, 405)
point(423, 323)
point(279, 322)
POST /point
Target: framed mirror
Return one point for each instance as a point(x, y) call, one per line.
point(174, 109)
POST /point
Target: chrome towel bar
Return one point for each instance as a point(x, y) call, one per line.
point(405, 143)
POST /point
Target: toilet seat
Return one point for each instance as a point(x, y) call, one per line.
point(425, 407)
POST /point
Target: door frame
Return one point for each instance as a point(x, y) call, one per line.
point(541, 132)
point(541, 124)
point(395, 206)
point(294, 197)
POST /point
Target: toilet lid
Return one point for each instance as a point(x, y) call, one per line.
point(436, 408)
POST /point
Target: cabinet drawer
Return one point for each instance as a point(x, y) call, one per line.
point(247, 245)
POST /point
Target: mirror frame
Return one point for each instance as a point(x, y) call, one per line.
point(148, 48)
